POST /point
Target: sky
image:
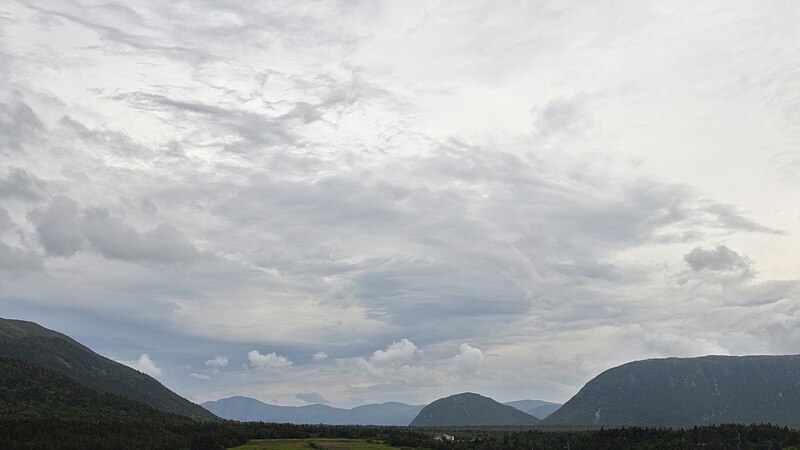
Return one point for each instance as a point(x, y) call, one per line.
point(353, 202)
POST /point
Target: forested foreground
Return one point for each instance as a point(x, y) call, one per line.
point(75, 433)
point(173, 434)
point(709, 437)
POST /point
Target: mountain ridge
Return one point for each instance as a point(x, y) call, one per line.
point(684, 392)
point(248, 409)
point(32, 342)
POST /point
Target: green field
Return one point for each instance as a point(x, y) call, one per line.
point(294, 444)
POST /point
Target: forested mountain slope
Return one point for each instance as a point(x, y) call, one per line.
point(32, 342)
point(683, 392)
point(469, 409)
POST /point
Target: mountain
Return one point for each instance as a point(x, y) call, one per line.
point(247, 409)
point(537, 408)
point(32, 342)
point(42, 408)
point(29, 389)
point(683, 392)
point(470, 409)
point(391, 413)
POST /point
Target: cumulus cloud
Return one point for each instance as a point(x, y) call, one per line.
point(396, 358)
point(270, 361)
point(217, 362)
point(319, 356)
point(469, 359)
point(144, 364)
point(199, 376)
point(398, 352)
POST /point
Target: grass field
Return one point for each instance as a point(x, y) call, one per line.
point(295, 444)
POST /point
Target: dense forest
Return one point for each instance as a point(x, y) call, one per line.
point(154, 433)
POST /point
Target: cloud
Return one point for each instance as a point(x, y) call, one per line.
point(114, 35)
point(217, 361)
point(20, 184)
point(469, 360)
point(454, 186)
point(144, 364)
point(398, 352)
point(249, 128)
point(64, 229)
point(730, 217)
point(5, 220)
point(112, 141)
point(114, 239)
point(562, 116)
point(312, 397)
point(270, 361)
point(58, 227)
point(19, 125)
point(676, 345)
point(199, 376)
point(395, 360)
point(15, 259)
point(719, 259)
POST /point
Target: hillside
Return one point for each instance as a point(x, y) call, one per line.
point(32, 342)
point(42, 408)
point(470, 409)
point(28, 389)
point(683, 392)
point(537, 408)
point(249, 410)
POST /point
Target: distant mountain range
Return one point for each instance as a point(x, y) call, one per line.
point(537, 408)
point(34, 343)
point(683, 392)
point(469, 409)
point(248, 409)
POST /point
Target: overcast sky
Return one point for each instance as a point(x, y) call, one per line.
point(361, 201)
